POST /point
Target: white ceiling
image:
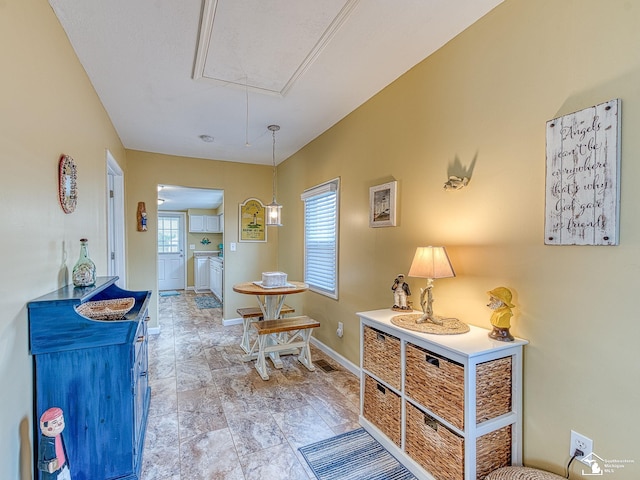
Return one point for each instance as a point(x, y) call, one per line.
point(168, 71)
point(176, 198)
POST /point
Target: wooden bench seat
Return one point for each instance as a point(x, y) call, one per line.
point(276, 336)
point(254, 314)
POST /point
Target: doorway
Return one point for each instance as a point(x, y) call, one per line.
point(115, 221)
point(171, 259)
point(193, 241)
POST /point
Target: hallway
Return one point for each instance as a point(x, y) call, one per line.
point(213, 417)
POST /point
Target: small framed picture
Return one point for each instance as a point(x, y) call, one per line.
point(382, 205)
point(252, 221)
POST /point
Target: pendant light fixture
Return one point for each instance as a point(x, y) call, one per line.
point(274, 210)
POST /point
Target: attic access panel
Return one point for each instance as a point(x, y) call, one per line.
point(265, 46)
point(583, 177)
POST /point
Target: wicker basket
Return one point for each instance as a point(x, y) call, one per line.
point(432, 445)
point(382, 356)
point(436, 383)
point(493, 389)
point(112, 309)
point(493, 451)
point(382, 407)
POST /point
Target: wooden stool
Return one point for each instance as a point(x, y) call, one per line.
point(521, 473)
point(254, 314)
point(275, 336)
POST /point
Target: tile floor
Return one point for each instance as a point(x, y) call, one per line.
point(213, 417)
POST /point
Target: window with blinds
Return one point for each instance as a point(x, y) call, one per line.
point(321, 208)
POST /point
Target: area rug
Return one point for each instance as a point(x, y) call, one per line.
point(207, 302)
point(169, 293)
point(354, 455)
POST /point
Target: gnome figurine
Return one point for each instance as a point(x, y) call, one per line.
point(500, 303)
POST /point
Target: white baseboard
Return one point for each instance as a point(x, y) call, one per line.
point(154, 330)
point(232, 321)
point(352, 367)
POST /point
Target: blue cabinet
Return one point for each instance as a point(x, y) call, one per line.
point(96, 371)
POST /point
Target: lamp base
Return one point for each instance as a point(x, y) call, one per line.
point(431, 318)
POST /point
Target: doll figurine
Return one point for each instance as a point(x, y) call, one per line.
point(401, 291)
point(52, 454)
point(500, 303)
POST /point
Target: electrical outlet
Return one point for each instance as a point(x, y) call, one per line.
point(580, 442)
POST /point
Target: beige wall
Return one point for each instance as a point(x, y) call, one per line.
point(47, 107)
point(239, 182)
point(485, 98)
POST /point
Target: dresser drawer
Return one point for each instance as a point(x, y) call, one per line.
point(437, 449)
point(436, 383)
point(382, 407)
point(381, 353)
point(493, 389)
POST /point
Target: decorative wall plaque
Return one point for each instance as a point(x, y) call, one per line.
point(583, 178)
point(67, 184)
point(252, 221)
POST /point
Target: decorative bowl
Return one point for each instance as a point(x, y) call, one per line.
point(113, 309)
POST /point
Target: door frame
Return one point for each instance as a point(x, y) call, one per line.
point(115, 221)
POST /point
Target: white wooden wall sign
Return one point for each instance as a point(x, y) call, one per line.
point(583, 179)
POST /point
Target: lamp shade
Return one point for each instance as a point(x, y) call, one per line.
point(431, 262)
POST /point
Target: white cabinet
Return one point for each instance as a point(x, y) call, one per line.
point(201, 273)
point(216, 270)
point(204, 224)
point(450, 406)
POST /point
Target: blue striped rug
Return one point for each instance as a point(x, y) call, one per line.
point(354, 455)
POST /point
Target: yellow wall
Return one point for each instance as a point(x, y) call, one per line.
point(485, 97)
point(239, 182)
point(47, 107)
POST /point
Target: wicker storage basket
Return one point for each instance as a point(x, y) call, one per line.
point(493, 389)
point(382, 356)
point(436, 383)
point(436, 448)
point(111, 309)
point(493, 450)
point(382, 407)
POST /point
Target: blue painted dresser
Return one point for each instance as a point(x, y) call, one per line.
point(96, 371)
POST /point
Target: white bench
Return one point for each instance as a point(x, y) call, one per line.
point(275, 336)
point(254, 314)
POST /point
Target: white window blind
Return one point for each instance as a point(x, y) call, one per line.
point(321, 238)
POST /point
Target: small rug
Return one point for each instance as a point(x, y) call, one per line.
point(169, 293)
point(354, 455)
point(207, 302)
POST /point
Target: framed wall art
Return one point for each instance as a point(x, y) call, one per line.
point(252, 221)
point(382, 205)
point(583, 177)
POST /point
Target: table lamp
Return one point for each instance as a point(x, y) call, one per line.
point(430, 263)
